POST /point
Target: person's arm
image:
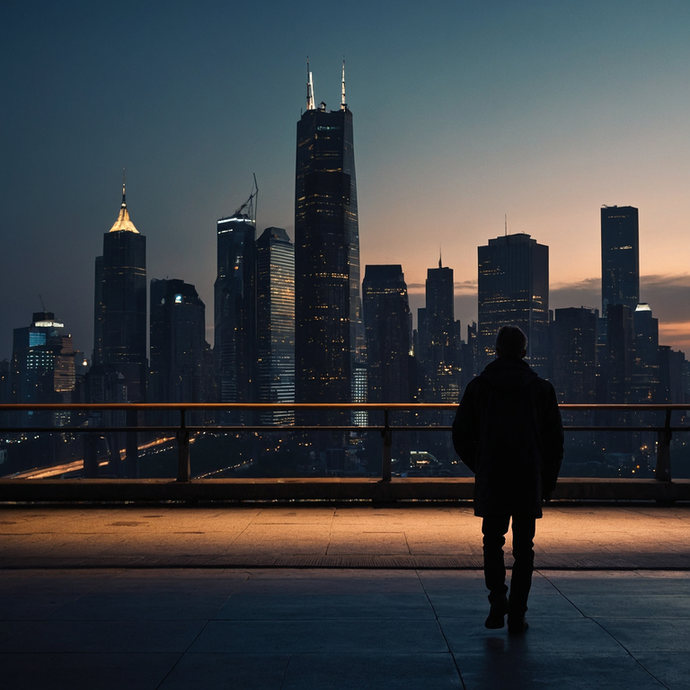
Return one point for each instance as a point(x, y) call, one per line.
point(465, 430)
point(553, 445)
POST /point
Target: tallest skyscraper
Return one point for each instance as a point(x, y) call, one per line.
point(327, 285)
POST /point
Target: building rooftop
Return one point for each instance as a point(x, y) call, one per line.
point(325, 596)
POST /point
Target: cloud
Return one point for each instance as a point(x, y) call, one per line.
point(465, 287)
point(667, 294)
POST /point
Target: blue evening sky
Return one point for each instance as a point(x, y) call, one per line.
point(464, 112)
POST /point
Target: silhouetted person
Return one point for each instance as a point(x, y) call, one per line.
point(508, 431)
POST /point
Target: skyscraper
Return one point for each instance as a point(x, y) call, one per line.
point(178, 342)
point(388, 329)
point(574, 338)
point(438, 338)
point(276, 321)
point(43, 369)
point(235, 306)
point(620, 353)
point(514, 289)
point(327, 291)
point(645, 376)
point(120, 304)
point(620, 259)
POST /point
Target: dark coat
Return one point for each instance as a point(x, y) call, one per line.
point(508, 431)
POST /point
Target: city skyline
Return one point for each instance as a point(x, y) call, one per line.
point(540, 113)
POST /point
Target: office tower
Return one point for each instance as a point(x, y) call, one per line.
point(120, 307)
point(42, 369)
point(235, 306)
point(178, 343)
point(469, 354)
point(275, 279)
point(360, 394)
point(438, 338)
point(98, 313)
point(672, 365)
point(327, 291)
point(5, 383)
point(620, 353)
point(573, 355)
point(388, 330)
point(645, 373)
point(620, 262)
point(514, 290)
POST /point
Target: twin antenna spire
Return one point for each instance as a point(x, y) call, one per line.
point(311, 101)
point(310, 89)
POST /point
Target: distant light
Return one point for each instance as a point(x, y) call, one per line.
point(49, 324)
point(178, 299)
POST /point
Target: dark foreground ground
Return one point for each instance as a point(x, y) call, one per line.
point(335, 597)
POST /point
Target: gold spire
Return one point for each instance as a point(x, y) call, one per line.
point(123, 222)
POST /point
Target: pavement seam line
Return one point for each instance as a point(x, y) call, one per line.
point(287, 666)
point(613, 637)
point(443, 632)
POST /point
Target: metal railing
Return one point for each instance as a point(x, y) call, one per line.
point(183, 429)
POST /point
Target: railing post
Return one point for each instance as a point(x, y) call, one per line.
point(91, 456)
point(184, 470)
point(662, 473)
point(386, 455)
point(132, 445)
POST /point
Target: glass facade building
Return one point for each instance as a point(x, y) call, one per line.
point(235, 309)
point(120, 305)
point(327, 275)
point(178, 343)
point(573, 366)
point(388, 330)
point(276, 322)
point(514, 290)
point(438, 339)
point(620, 257)
point(42, 368)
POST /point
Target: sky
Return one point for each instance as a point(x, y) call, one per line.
point(465, 112)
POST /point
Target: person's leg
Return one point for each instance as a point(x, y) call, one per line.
point(494, 530)
point(521, 579)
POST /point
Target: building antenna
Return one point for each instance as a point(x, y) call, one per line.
point(256, 198)
point(310, 88)
point(506, 222)
point(43, 306)
point(124, 202)
point(343, 104)
point(440, 257)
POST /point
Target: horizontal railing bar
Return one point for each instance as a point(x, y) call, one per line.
point(290, 429)
point(95, 407)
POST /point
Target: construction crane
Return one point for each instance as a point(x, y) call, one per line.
point(250, 203)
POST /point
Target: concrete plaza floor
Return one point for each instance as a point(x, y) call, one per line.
point(155, 597)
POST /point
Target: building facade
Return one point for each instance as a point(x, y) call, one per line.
point(645, 375)
point(620, 257)
point(388, 330)
point(327, 275)
point(178, 343)
point(573, 356)
point(276, 322)
point(438, 339)
point(235, 338)
point(514, 290)
point(120, 326)
point(43, 368)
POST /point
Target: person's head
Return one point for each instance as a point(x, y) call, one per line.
point(511, 343)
